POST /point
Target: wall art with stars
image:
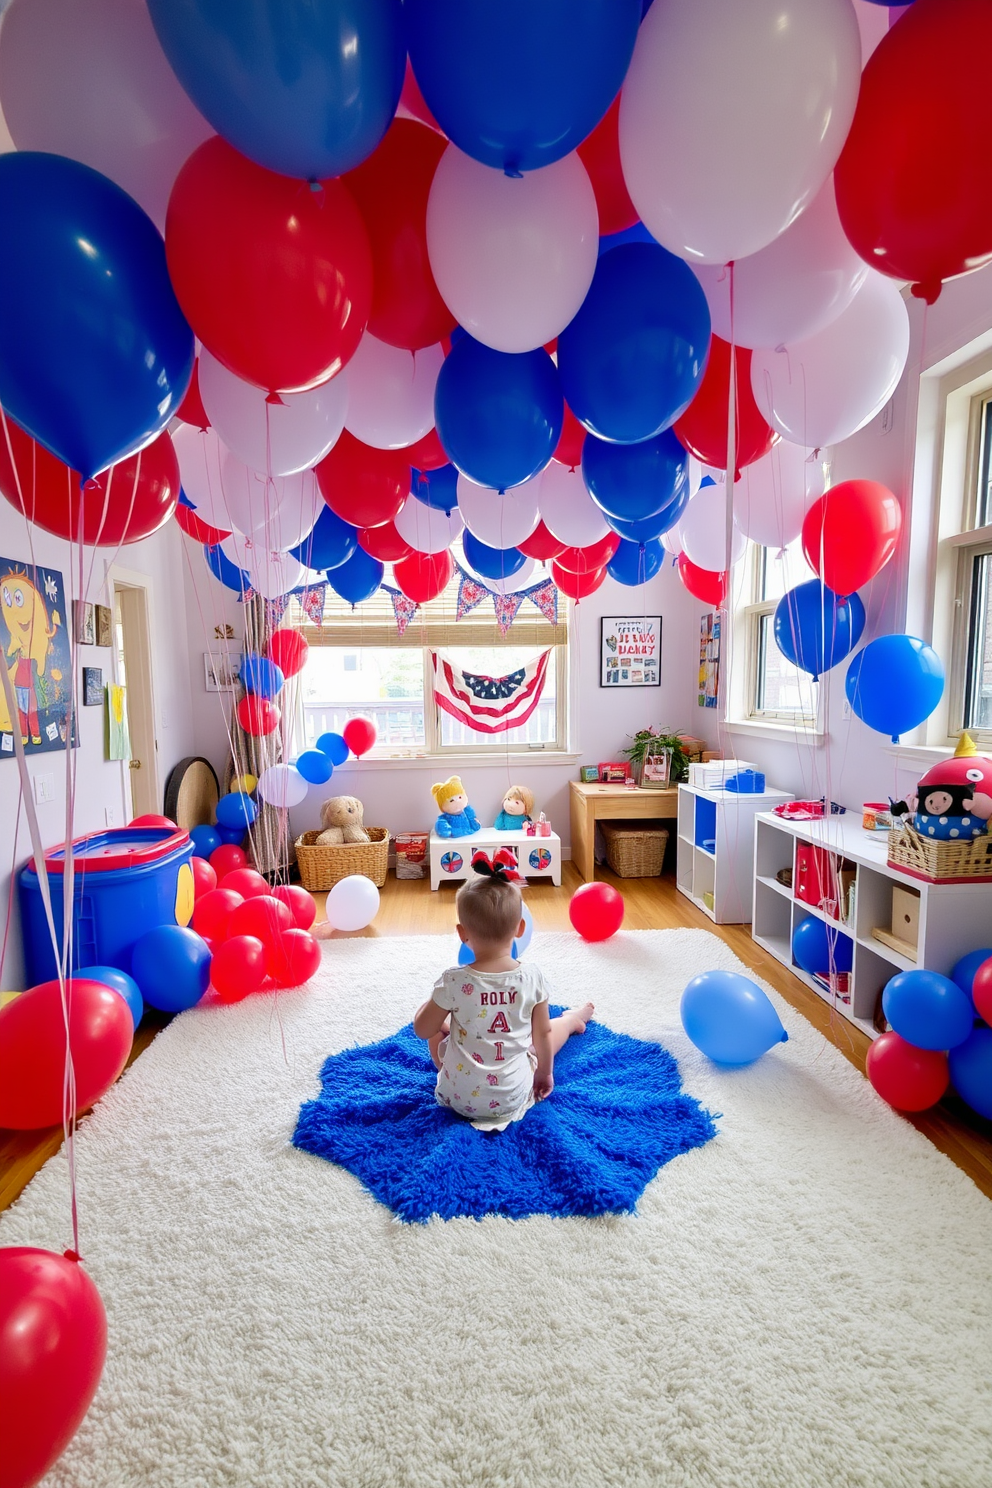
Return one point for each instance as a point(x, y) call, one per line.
point(35, 647)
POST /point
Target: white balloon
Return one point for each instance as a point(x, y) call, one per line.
point(274, 438)
point(282, 786)
point(501, 520)
point(822, 390)
point(702, 532)
point(427, 528)
point(567, 509)
point(391, 393)
point(717, 175)
point(774, 494)
point(277, 510)
point(671, 542)
point(271, 574)
point(353, 903)
point(201, 458)
point(794, 287)
point(88, 79)
point(512, 585)
point(513, 257)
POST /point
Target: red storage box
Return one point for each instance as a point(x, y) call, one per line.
point(823, 880)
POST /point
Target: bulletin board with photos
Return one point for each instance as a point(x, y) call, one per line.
point(630, 651)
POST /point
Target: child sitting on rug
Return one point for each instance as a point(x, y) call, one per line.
point(487, 1024)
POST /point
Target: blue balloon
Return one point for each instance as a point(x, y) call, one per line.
point(661, 522)
point(928, 1010)
point(205, 841)
point(236, 810)
point(820, 949)
point(518, 85)
point(303, 89)
point(314, 766)
point(223, 569)
point(334, 747)
point(358, 579)
point(964, 970)
point(330, 542)
point(631, 360)
point(491, 563)
point(729, 1018)
point(466, 955)
point(815, 629)
point(171, 965)
point(437, 488)
point(499, 415)
point(636, 234)
point(95, 353)
point(971, 1071)
point(118, 981)
point(634, 481)
point(261, 676)
point(234, 835)
point(634, 563)
point(894, 684)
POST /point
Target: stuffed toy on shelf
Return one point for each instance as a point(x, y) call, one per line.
point(953, 801)
point(457, 819)
point(517, 809)
point(342, 820)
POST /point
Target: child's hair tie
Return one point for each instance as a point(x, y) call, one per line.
point(502, 866)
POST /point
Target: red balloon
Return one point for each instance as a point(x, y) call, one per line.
point(361, 485)
point(32, 1050)
point(596, 910)
point(703, 426)
point(910, 1079)
point(981, 990)
point(238, 967)
point(542, 544)
point(850, 533)
point(225, 859)
point(413, 100)
point(914, 190)
point(704, 583)
point(262, 916)
point(600, 154)
point(274, 277)
point(288, 649)
point(151, 820)
point(129, 501)
point(191, 409)
point(423, 576)
point(292, 958)
point(204, 877)
point(246, 882)
point(300, 904)
point(573, 436)
point(577, 586)
point(360, 735)
point(391, 188)
point(196, 528)
point(53, 1343)
point(212, 913)
point(257, 715)
point(428, 453)
point(587, 560)
point(384, 543)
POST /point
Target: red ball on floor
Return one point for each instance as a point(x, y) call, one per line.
point(596, 911)
point(212, 914)
point(262, 916)
point(204, 877)
point(292, 958)
point(910, 1079)
point(238, 967)
point(245, 881)
point(226, 858)
point(301, 904)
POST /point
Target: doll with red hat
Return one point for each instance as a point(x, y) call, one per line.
point(953, 801)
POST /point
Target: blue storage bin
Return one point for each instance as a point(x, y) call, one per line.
point(746, 783)
point(126, 881)
point(704, 830)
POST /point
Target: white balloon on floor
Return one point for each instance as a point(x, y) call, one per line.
point(426, 528)
point(702, 531)
point(273, 438)
point(794, 287)
point(353, 903)
point(500, 519)
point(822, 390)
point(282, 786)
point(513, 256)
point(567, 509)
point(391, 393)
point(732, 117)
point(201, 457)
point(774, 494)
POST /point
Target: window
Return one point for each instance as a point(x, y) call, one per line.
point(359, 663)
point(776, 690)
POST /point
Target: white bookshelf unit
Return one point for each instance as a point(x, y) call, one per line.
point(953, 918)
point(714, 860)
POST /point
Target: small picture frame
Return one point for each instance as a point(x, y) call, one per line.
point(92, 687)
point(588, 774)
point(104, 626)
point(614, 772)
point(83, 623)
point(630, 651)
point(656, 772)
point(220, 671)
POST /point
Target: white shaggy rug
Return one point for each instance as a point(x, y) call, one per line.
point(806, 1300)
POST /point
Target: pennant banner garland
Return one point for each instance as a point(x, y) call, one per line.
point(404, 609)
point(489, 705)
point(472, 591)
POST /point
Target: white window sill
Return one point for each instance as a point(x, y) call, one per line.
point(768, 728)
point(455, 761)
point(924, 754)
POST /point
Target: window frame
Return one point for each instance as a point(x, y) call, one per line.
point(754, 616)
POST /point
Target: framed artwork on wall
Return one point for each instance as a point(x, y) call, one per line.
point(630, 651)
point(709, 660)
point(83, 623)
point(220, 671)
point(104, 626)
point(92, 687)
point(35, 646)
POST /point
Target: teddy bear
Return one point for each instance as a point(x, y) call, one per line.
point(341, 819)
point(516, 811)
point(457, 819)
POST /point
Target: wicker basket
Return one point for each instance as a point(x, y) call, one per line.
point(322, 864)
point(940, 862)
point(634, 851)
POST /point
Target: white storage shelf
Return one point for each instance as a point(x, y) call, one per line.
point(954, 918)
point(715, 835)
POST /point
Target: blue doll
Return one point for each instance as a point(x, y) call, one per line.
point(457, 819)
point(516, 811)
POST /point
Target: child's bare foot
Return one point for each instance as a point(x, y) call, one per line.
point(583, 1015)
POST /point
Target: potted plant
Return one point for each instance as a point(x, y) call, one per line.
point(682, 746)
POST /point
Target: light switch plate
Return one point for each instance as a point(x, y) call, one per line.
point(44, 788)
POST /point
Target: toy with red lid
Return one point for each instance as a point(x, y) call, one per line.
point(953, 800)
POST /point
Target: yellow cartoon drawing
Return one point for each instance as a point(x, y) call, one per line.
point(31, 643)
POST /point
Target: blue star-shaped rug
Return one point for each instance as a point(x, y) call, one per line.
point(617, 1114)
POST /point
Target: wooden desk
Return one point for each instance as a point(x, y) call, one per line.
point(592, 803)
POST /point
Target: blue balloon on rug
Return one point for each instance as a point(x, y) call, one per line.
point(730, 1018)
point(617, 1115)
point(927, 1009)
point(971, 1071)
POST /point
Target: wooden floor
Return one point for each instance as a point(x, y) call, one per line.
point(410, 908)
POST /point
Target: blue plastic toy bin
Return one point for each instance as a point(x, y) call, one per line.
point(126, 881)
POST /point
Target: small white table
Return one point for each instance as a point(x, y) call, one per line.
point(537, 857)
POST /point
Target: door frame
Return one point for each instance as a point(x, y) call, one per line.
point(141, 710)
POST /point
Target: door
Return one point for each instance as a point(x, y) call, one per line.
point(132, 647)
